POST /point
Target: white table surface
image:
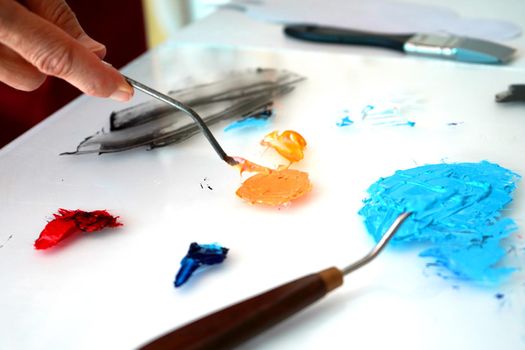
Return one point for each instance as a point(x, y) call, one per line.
point(113, 290)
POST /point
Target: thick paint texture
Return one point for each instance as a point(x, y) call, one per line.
point(289, 144)
point(276, 188)
point(70, 222)
point(456, 210)
point(197, 256)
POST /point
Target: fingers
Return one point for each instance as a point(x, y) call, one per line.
point(59, 13)
point(54, 52)
point(17, 72)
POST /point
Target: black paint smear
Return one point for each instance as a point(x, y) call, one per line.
point(8, 239)
point(154, 124)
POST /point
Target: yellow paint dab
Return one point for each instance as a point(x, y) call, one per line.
point(289, 144)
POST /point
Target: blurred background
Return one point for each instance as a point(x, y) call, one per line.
point(164, 17)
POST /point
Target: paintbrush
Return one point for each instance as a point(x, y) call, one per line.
point(188, 110)
point(237, 323)
point(440, 46)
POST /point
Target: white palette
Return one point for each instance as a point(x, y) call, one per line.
point(113, 290)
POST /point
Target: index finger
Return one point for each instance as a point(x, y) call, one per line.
point(54, 52)
point(59, 13)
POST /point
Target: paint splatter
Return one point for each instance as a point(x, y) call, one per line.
point(197, 256)
point(384, 114)
point(276, 188)
point(289, 144)
point(204, 184)
point(390, 110)
point(456, 210)
point(69, 222)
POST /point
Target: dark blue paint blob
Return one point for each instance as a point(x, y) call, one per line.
point(499, 296)
point(198, 255)
point(456, 209)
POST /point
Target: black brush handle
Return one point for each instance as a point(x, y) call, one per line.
point(346, 36)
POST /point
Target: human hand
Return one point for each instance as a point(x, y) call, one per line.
point(44, 38)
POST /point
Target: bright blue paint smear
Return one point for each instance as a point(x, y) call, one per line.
point(197, 256)
point(257, 120)
point(247, 123)
point(345, 122)
point(456, 210)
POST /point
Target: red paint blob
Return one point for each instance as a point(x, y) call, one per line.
point(69, 222)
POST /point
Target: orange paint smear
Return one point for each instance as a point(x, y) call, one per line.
point(244, 165)
point(289, 144)
point(275, 188)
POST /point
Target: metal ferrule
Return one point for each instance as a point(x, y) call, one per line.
point(432, 45)
point(458, 48)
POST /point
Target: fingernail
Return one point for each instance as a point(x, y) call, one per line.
point(121, 95)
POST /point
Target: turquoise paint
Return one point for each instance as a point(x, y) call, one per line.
point(456, 210)
point(257, 120)
point(345, 122)
point(381, 115)
point(247, 123)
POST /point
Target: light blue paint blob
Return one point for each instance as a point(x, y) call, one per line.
point(456, 209)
